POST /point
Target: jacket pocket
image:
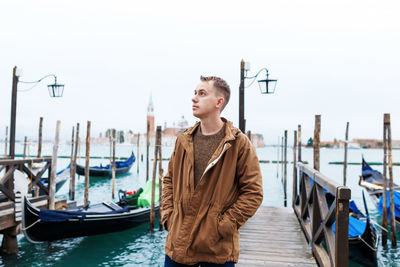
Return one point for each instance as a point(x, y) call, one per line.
point(225, 227)
point(206, 239)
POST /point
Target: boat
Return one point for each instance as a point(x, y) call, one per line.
point(363, 237)
point(372, 181)
point(40, 225)
point(121, 167)
point(61, 177)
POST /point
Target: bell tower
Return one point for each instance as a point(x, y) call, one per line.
point(150, 115)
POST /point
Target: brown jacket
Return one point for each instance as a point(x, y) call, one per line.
point(203, 223)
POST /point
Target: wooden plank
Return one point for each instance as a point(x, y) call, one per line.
point(273, 237)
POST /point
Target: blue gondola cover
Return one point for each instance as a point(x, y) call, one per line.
point(65, 215)
point(396, 198)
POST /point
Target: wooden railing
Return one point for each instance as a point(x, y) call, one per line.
point(317, 210)
point(10, 165)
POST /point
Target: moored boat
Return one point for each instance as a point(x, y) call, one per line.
point(121, 167)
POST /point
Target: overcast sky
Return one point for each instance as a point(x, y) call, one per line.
point(338, 59)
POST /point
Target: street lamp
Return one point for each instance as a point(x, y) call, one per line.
point(267, 86)
point(55, 90)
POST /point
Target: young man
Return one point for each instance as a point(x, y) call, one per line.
point(213, 184)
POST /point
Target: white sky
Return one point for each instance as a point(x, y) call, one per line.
point(339, 59)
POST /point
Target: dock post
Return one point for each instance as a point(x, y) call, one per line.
point(316, 142)
point(385, 185)
point(249, 135)
point(5, 142)
point(160, 175)
point(153, 182)
point(25, 144)
point(71, 161)
point(345, 153)
point(285, 173)
point(113, 169)
point(294, 188)
point(282, 152)
point(73, 165)
point(343, 195)
point(137, 153)
point(86, 195)
point(299, 143)
point(147, 150)
point(39, 152)
point(52, 179)
point(391, 194)
point(277, 159)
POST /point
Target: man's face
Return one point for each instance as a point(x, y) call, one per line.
point(205, 100)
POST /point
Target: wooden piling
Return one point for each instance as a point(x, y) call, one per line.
point(5, 143)
point(25, 144)
point(113, 169)
point(385, 185)
point(391, 194)
point(137, 153)
point(345, 153)
point(147, 149)
point(299, 142)
point(39, 152)
point(52, 180)
point(153, 182)
point(249, 135)
point(294, 189)
point(316, 142)
point(86, 195)
point(160, 175)
point(282, 152)
point(71, 163)
point(277, 159)
point(285, 173)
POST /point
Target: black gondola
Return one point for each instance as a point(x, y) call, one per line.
point(121, 167)
point(372, 181)
point(48, 225)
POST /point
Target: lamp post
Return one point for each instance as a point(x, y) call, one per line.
point(267, 86)
point(55, 90)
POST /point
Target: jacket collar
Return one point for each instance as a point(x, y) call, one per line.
point(231, 132)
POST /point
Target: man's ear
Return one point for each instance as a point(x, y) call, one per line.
point(220, 102)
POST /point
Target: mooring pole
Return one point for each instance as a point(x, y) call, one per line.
point(5, 142)
point(86, 195)
point(25, 144)
point(242, 121)
point(73, 164)
point(345, 153)
point(294, 189)
point(277, 159)
point(137, 153)
point(39, 152)
point(392, 213)
point(113, 169)
point(147, 150)
point(285, 173)
point(13, 113)
point(160, 174)
point(316, 143)
point(71, 168)
point(299, 142)
point(52, 180)
point(385, 185)
point(153, 182)
point(282, 155)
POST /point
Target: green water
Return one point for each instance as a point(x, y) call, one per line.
point(139, 246)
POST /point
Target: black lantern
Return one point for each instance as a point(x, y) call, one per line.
point(267, 86)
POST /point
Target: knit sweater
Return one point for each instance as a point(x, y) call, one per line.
point(204, 147)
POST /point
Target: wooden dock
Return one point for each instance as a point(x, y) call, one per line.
point(273, 237)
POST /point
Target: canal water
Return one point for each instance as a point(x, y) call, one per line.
point(139, 246)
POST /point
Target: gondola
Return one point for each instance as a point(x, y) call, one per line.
point(121, 167)
point(372, 181)
point(48, 225)
point(61, 177)
point(363, 237)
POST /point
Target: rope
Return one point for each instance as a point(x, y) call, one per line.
point(26, 228)
point(359, 237)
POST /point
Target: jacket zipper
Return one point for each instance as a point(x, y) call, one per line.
point(212, 163)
